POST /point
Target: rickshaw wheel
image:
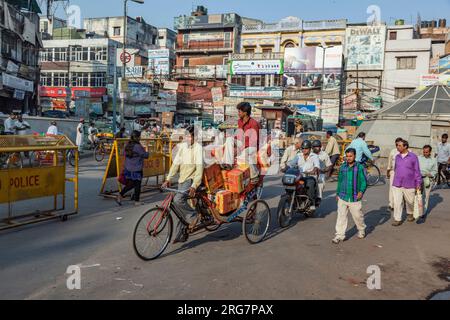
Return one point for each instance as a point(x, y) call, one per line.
point(256, 221)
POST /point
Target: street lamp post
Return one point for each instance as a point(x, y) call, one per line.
point(124, 61)
point(324, 48)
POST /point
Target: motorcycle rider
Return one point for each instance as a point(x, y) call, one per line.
point(325, 166)
point(309, 165)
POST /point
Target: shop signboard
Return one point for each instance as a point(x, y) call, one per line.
point(134, 72)
point(244, 67)
point(257, 92)
point(17, 83)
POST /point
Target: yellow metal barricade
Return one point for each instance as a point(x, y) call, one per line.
point(35, 167)
point(156, 166)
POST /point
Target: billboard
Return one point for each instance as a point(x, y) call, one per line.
point(159, 61)
point(244, 67)
point(303, 67)
point(313, 80)
point(444, 65)
point(365, 47)
point(310, 59)
point(427, 80)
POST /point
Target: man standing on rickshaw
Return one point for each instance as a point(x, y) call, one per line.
point(188, 164)
point(248, 140)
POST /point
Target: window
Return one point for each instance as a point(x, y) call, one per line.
point(186, 63)
point(46, 55)
point(116, 31)
point(406, 63)
point(278, 81)
point(46, 79)
point(258, 81)
point(289, 45)
point(239, 80)
point(60, 54)
point(249, 50)
point(98, 54)
point(227, 42)
point(98, 79)
point(401, 93)
point(9, 45)
point(267, 50)
point(60, 79)
point(393, 35)
point(80, 79)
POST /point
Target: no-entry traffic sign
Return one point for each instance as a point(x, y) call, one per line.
point(125, 57)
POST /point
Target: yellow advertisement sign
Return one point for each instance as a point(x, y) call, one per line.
point(31, 183)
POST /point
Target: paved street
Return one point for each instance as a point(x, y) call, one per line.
point(297, 263)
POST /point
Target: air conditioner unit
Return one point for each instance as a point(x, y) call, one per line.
point(202, 83)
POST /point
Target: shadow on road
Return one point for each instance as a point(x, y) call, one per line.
point(373, 219)
point(435, 200)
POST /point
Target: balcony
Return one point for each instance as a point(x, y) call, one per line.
point(324, 25)
point(273, 27)
point(208, 45)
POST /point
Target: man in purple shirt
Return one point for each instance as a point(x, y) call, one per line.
point(407, 182)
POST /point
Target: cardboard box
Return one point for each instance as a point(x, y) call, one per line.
point(227, 201)
point(236, 180)
point(212, 178)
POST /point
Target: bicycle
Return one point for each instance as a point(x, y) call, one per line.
point(155, 227)
point(102, 149)
point(11, 160)
point(445, 175)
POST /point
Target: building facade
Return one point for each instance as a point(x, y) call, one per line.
point(204, 43)
point(75, 74)
point(19, 54)
point(407, 59)
point(140, 34)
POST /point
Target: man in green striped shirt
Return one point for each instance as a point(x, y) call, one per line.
point(352, 185)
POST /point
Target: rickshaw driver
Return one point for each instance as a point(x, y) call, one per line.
point(188, 163)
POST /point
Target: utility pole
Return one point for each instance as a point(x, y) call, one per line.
point(358, 92)
point(124, 61)
point(324, 48)
point(115, 94)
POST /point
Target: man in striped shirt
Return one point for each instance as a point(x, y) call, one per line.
point(352, 185)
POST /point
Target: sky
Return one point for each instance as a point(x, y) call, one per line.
point(160, 13)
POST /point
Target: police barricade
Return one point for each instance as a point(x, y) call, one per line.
point(33, 168)
point(156, 166)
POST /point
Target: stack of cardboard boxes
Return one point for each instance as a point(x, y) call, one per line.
point(227, 186)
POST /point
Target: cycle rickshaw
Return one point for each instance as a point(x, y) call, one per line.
point(154, 230)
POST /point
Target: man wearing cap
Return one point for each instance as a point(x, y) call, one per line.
point(53, 129)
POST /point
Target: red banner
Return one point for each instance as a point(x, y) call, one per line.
point(60, 92)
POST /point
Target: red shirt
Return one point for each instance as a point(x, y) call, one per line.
point(249, 130)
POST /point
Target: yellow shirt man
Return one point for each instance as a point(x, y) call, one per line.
point(188, 163)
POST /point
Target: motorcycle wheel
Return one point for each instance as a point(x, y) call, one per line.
point(284, 213)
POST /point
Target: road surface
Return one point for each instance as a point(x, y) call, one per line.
point(296, 263)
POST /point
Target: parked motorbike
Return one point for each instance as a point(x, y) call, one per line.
point(296, 200)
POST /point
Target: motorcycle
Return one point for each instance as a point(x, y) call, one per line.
point(296, 200)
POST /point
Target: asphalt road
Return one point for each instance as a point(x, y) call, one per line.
point(296, 263)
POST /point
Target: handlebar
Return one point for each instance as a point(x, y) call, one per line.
point(175, 191)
